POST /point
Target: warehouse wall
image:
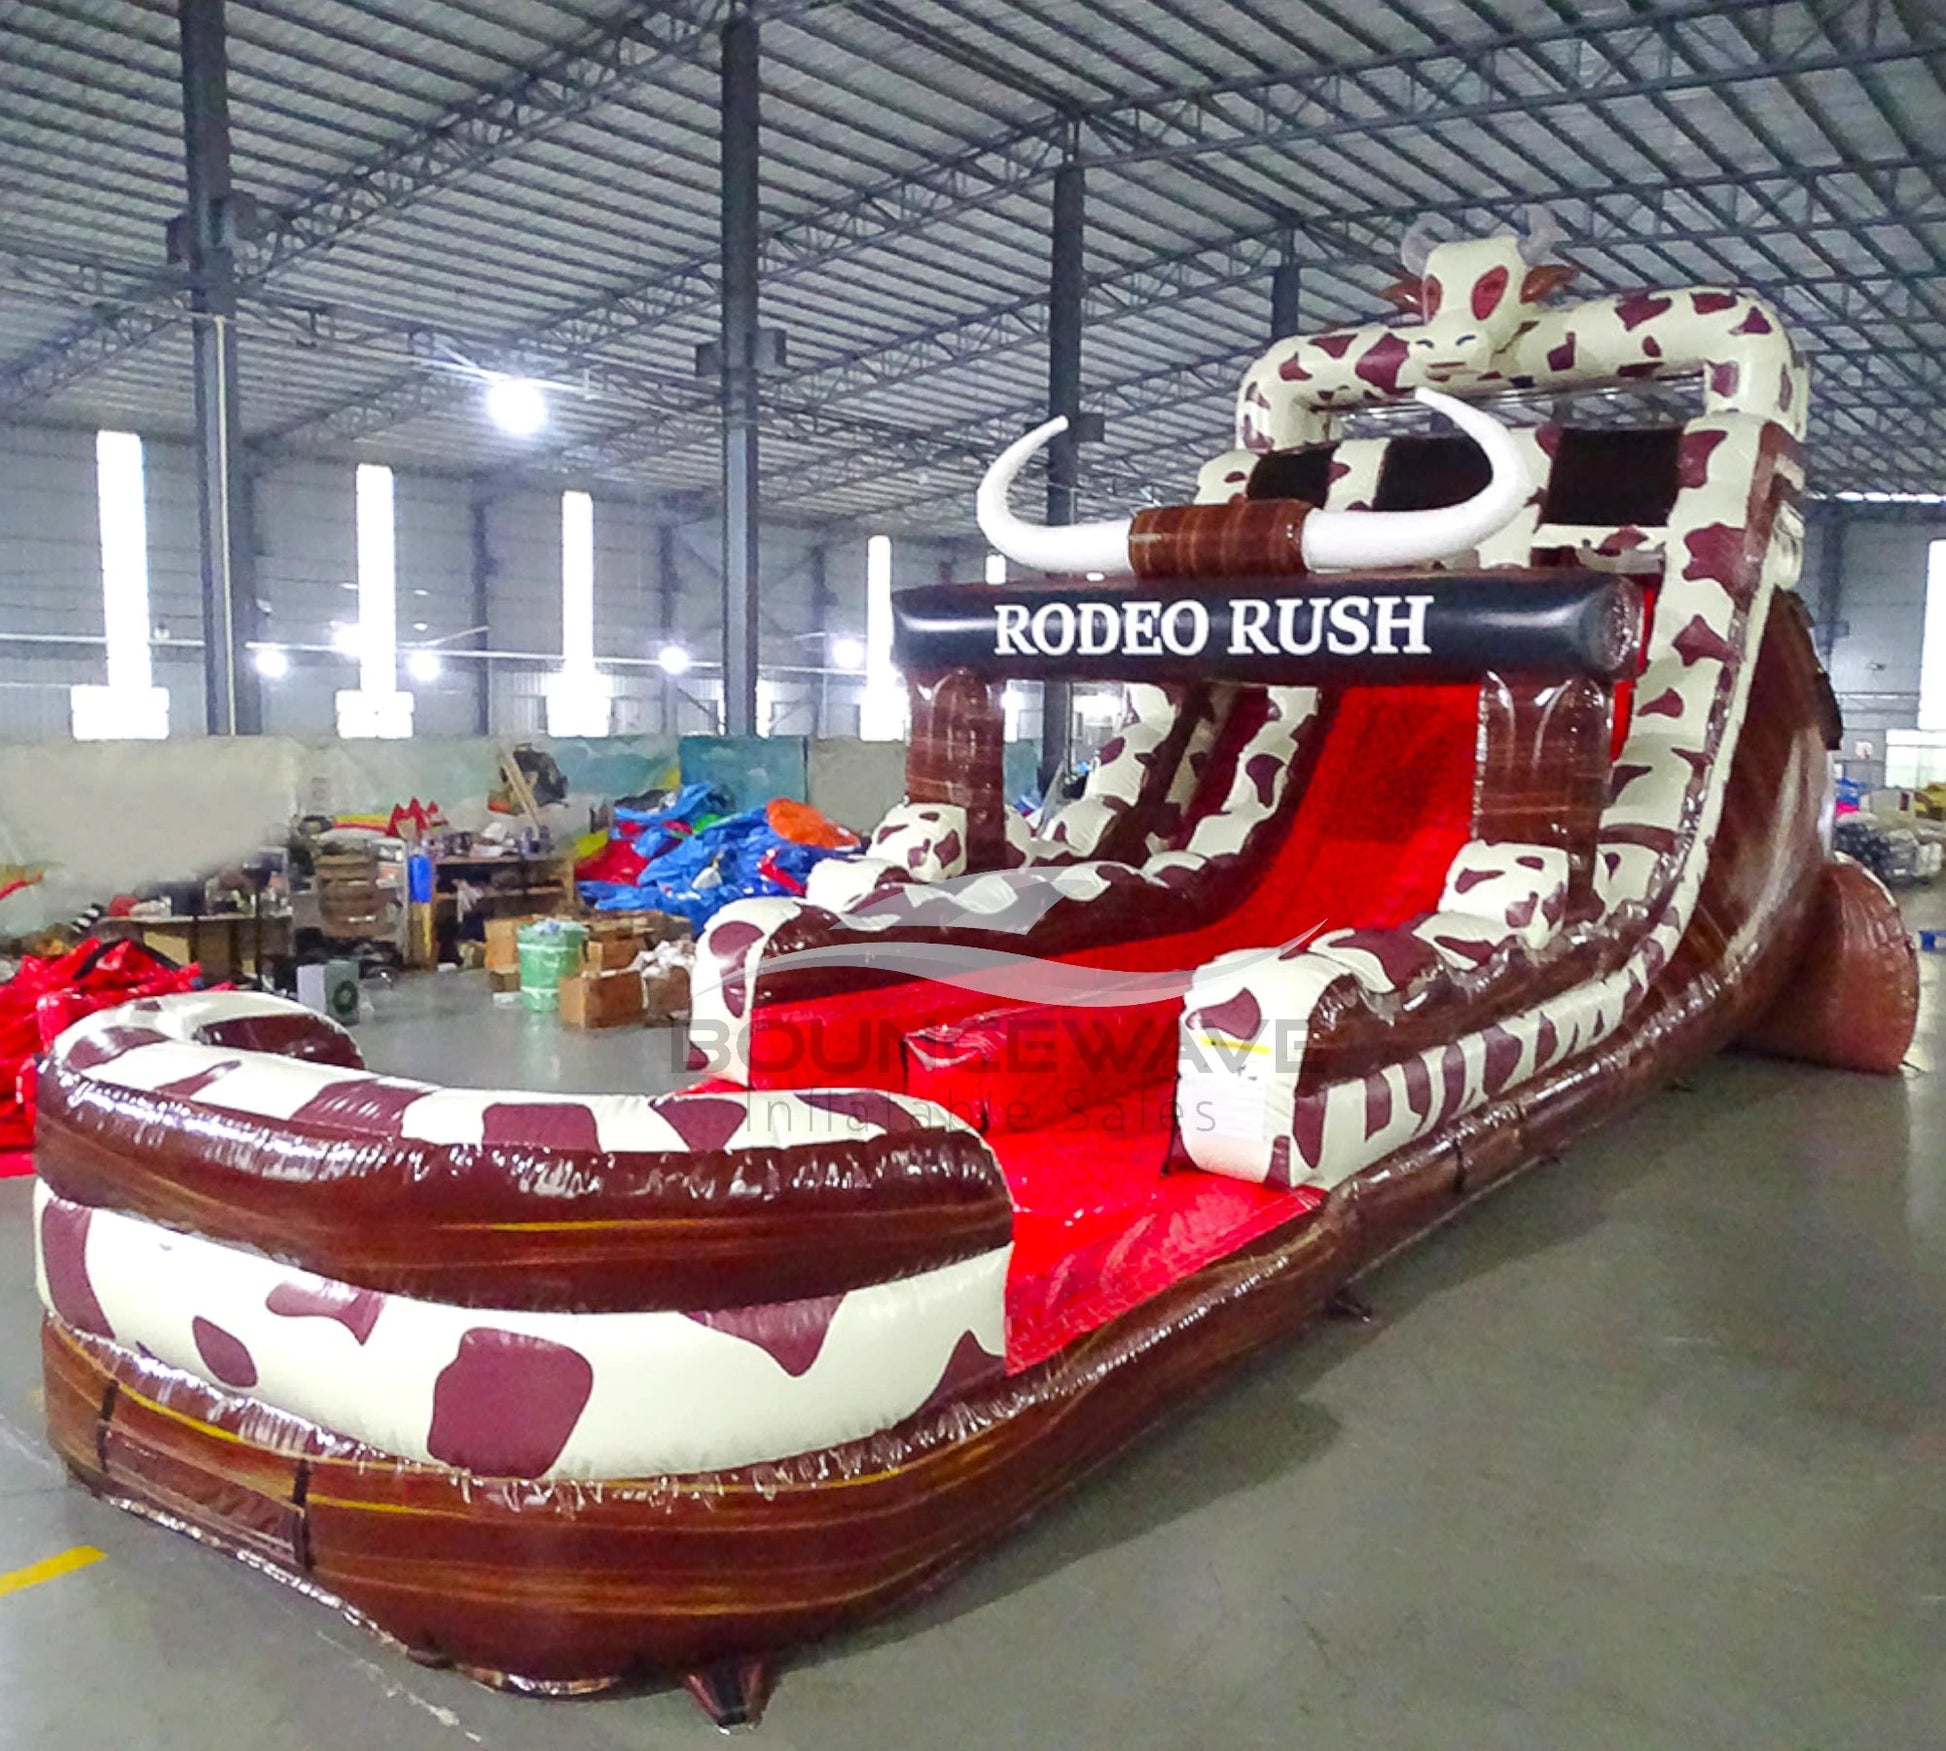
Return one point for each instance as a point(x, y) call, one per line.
point(1879, 613)
point(100, 818)
point(50, 589)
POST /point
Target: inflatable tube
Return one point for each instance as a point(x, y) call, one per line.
point(1424, 631)
point(1853, 1000)
point(617, 1203)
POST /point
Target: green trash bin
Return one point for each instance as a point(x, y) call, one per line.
point(549, 951)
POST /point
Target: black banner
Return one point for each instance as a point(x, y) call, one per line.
point(1438, 627)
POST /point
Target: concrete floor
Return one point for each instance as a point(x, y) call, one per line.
point(1647, 1451)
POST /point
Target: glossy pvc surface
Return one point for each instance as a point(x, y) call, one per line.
point(1852, 1001)
point(540, 1221)
point(571, 1584)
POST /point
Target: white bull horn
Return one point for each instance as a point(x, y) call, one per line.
point(1074, 547)
point(1370, 538)
point(1330, 539)
point(1540, 230)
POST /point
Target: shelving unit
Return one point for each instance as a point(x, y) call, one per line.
point(541, 885)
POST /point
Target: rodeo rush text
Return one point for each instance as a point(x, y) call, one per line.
point(1345, 626)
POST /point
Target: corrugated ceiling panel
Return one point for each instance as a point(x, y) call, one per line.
point(520, 255)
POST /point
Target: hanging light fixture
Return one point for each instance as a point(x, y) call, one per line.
point(516, 405)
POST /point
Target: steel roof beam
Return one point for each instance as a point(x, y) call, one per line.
point(1630, 215)
point(1643, 55)
point(1381, 96)
point(1627, 216)
point(624, 51)
point(970, 445)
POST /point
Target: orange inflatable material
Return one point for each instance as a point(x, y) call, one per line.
point(804, 825)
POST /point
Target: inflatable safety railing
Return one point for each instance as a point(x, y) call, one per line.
point(522, 1285)
point(1471, 784)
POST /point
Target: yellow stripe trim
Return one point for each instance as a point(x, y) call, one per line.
point(51, 1569)
point(1225, 1046)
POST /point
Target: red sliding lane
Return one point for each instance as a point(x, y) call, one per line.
point(1390, 800)
point(1077, 1104)
point(1099, 1227)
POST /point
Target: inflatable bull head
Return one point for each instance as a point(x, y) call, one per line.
point(1471, 294)
point(1471, 297)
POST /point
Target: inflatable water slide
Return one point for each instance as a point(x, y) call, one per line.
point(1471, 782)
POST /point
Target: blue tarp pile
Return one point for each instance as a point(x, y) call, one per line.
point(691, 859)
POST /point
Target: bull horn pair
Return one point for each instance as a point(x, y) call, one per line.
point(1538, 232)
point(1302, 539)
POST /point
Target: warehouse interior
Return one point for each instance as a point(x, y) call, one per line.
point(458, 463)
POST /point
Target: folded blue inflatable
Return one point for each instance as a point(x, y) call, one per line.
point(696, 860)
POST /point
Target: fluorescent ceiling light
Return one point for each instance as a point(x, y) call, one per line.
point(375, 708)
point(579, 703)
point(882, 712)
point(878, 607)
point(378, 579)
point(121, 502)
point(516, 405)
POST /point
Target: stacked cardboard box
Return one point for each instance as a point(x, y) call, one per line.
point(503, 950)
point(595, 999)
point(605, 954)
point(643, 928)
point(609, 990)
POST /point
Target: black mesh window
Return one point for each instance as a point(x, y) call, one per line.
point(1613, 478)
point(1293, 474)
point(1427, 474)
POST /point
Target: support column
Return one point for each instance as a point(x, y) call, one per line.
point(739, 153)
point(484, 567)
point(822, 604)
point(1286, 284)
point(205, 243)
point(1824, 566)
point(1065, 285)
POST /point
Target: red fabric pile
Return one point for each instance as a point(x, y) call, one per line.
point(618, 861)
point(48, 996)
